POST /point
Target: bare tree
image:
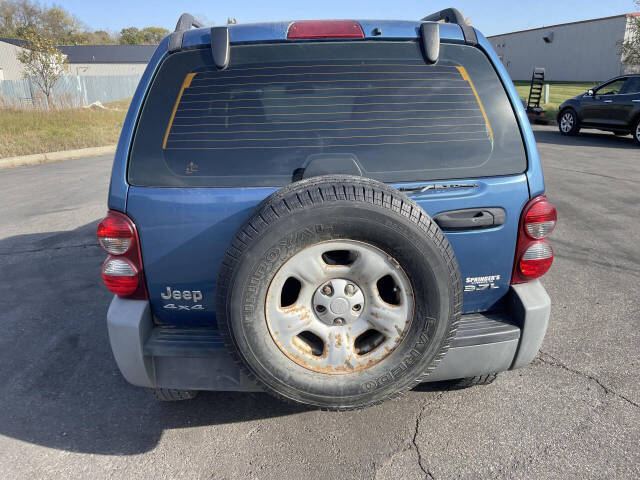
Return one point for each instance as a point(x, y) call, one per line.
point(43, 63)
point(631, 45)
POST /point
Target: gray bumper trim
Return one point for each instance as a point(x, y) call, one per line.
point(528, 309)
point(194, 359)
point(473, 360)
point(129, 323)
point(531, 308)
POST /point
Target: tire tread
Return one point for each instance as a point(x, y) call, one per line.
point(461, 383)
point(372, 192)
point(172, 395)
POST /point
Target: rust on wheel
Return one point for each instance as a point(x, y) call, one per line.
point(339, 307)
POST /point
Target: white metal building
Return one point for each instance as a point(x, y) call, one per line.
point(10, 67)
point(82, 60)
point(107, 60)
point(588, 50)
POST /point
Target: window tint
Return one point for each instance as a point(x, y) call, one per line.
point(612, 88)
point(279, 107)
point(631, 86)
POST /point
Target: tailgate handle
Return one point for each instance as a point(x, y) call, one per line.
point(471, 218)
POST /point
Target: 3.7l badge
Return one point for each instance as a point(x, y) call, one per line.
point(478, 284)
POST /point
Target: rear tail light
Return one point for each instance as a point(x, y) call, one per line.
point(534, 255)
point(122, 270)
point(120, 276)
point(308, 29)
point(536, 260)
point(540, 219)
point(115, 234)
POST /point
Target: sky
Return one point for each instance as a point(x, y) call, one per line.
point(489, 16)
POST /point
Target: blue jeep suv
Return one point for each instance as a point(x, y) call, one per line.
point(329, 211)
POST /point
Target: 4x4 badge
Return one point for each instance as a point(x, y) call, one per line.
point(172, 306)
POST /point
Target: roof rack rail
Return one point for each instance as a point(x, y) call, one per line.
point(188, 21)
point(448, 15)
point(185, 22)
point(453, 15)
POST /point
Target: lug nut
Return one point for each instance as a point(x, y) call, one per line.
point(350, 289)
point(356, 308)
point(338, 321)
point(320, 309)
point(327, 289)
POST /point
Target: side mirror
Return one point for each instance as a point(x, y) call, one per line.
point(590, 92)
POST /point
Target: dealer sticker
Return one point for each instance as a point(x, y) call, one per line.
point(477, 284)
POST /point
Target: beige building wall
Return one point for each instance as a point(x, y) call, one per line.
point(11, 67)
point(106, 69)
point(581, 51)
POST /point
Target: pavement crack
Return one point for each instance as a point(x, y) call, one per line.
point(44, 249)
point(556, 362)
point(414, 440)
point(427, 473)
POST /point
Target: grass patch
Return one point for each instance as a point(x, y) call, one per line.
point(23, 132)
point(558, 93)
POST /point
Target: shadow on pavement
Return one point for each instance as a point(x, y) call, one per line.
point(59, 384)
point(587, 138)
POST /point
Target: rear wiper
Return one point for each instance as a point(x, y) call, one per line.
point(437, 186)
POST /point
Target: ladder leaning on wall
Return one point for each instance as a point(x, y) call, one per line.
point(534, 111)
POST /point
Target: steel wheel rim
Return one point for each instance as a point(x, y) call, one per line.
point(566, 123)
point(310, 337)
point(638, 132)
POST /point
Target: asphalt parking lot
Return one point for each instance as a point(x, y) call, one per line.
point(65, 411)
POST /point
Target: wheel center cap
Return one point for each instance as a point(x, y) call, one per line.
point(339, 306)
point(338, 302)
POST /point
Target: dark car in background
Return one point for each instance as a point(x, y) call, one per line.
point(613, 106)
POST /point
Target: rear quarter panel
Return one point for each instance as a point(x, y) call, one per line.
point(118, 187)
point(535, 177)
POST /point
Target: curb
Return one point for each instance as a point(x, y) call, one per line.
point(39, 158)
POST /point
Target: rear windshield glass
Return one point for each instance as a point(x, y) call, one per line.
point(280, 107)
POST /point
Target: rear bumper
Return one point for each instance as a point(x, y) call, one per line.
point(195, 358)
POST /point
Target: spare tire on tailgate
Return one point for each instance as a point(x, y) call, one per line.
point(338, 292)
